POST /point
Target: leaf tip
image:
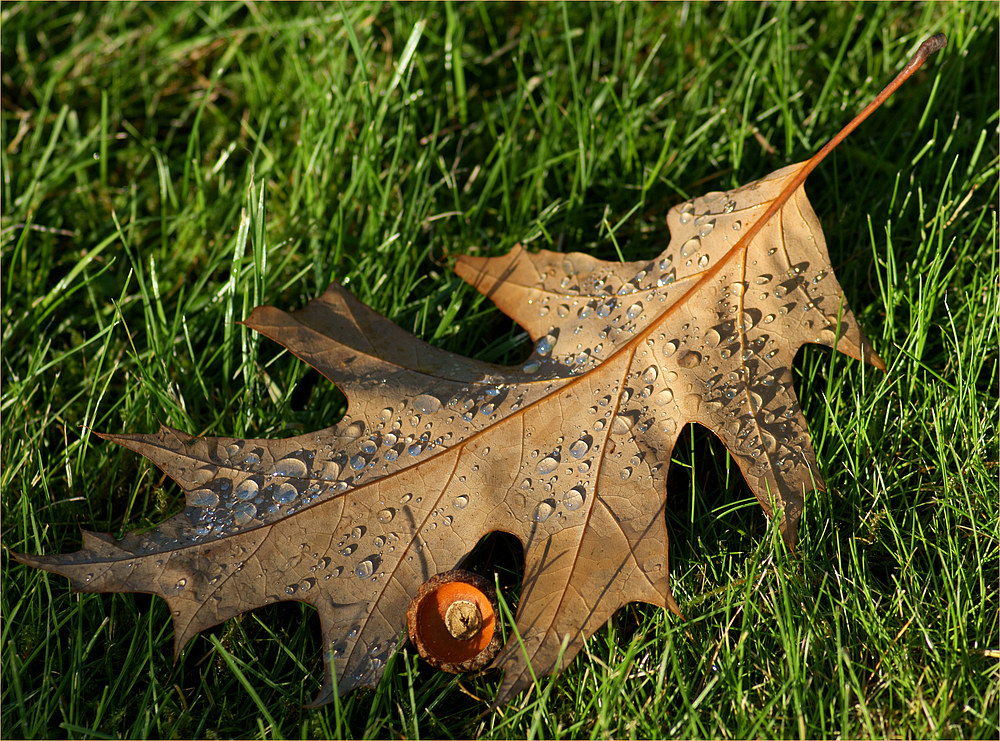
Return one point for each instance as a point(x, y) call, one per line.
point(25, 559)
point(674, 607)
point(935, 43)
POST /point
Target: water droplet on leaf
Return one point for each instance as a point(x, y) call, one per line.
point(621, 424)
point(545, 344)
point(544, 510)
point(243, 512)
point(203, 498)
point(426, 404)
point(690, 359)
point(574, 498)
point(690, 247)
point(547, 465)
point(367, 567)
point(580, 448)
point(354, 430)
point(665, 397)
point(285, 493)
point(291, 467)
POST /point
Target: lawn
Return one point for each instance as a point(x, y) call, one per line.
point(168, 167)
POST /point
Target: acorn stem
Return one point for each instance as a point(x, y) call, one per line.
point(463, 619)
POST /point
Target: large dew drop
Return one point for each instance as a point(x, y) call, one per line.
point(331, 470)
point(574, 497)
point(690, 359)
point(580, 448)
point(545, 344)
point(547, 465)
point(386, 515)
point(544, 510)
point(426, 404)
point(354, 430)
point(367, 567)
point(243, 512)
point(203, 498)
point(285, 493)
point(621, 424)
point(291, 467)
point(247, 489)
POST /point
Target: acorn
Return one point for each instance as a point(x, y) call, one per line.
point(454, 621)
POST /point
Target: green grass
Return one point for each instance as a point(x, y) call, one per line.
point(168, 167)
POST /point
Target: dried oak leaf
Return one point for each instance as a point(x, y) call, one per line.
point(569, 452)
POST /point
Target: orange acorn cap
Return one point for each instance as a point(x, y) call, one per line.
point(453, 621)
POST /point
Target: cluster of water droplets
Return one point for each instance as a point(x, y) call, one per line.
point(401, 528)
point(558, 478)
point(734, 366)
point(366, 664)
point(241, 485)
point(595, 310)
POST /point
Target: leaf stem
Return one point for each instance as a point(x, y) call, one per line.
point(931, 45)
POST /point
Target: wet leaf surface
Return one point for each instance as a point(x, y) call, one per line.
point(569, 451)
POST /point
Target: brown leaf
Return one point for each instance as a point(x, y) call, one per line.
point(569, 452)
